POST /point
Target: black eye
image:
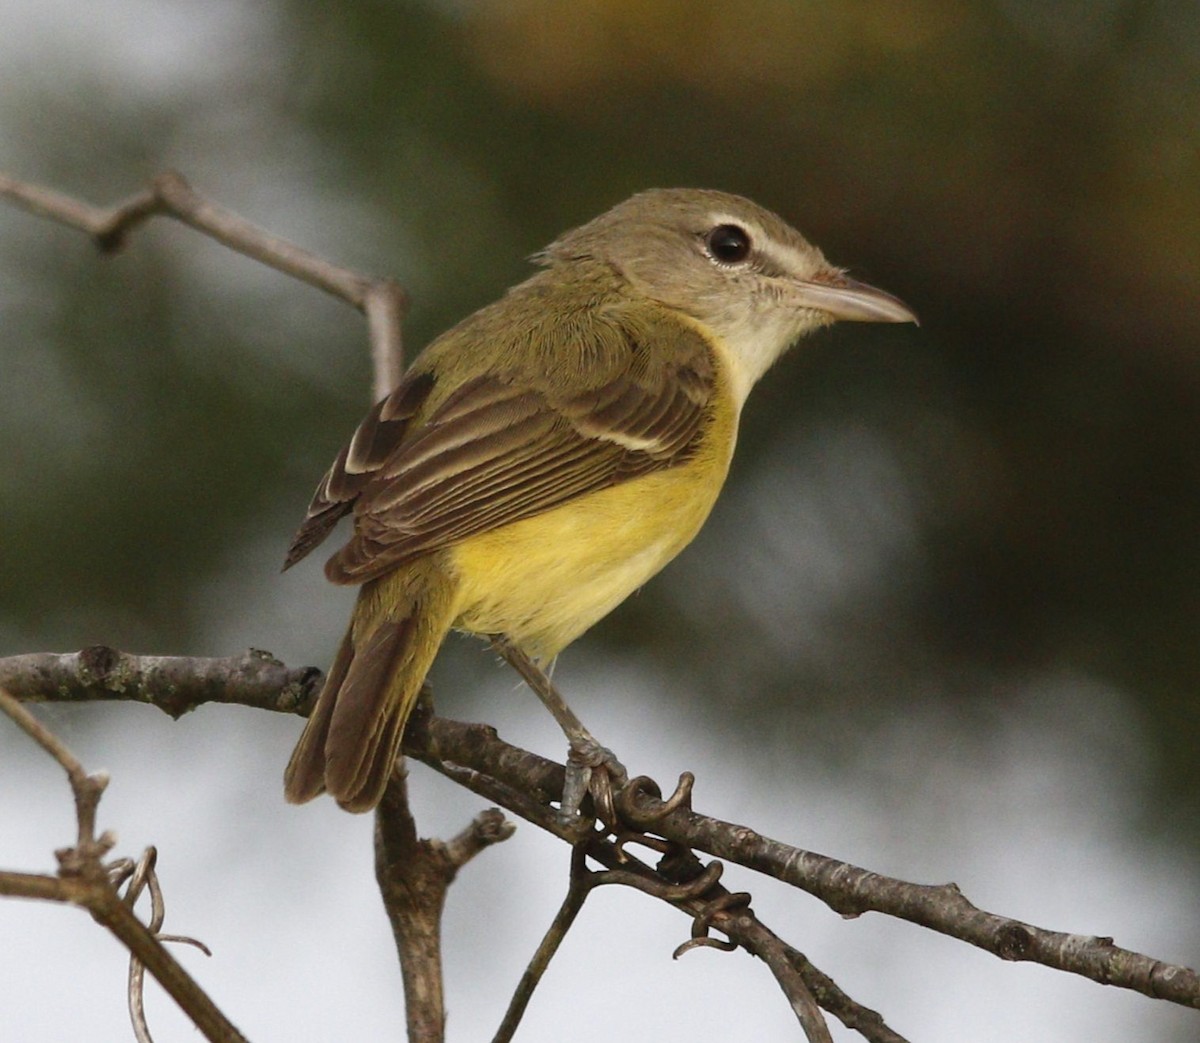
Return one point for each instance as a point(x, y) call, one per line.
point(728, 244)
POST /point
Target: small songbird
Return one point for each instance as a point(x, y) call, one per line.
point(549, 454)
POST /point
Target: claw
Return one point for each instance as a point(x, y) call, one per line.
point(592, 770)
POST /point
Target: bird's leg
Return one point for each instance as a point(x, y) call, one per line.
point(591, 768)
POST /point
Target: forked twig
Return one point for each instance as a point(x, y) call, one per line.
point(414, 875)
point(84, 880)
point(680, 881)
point(382, 301)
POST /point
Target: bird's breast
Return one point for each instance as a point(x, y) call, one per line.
point(544, 580)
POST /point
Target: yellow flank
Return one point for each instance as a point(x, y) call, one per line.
point(545, 580)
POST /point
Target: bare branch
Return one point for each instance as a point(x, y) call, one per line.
point(851, 891)
point(86, 788)
point(694, 896)
point(34, 885)
point(577, 893)
point(385, 305)
point(107, 908)
point(107, 226)
point(175, 684)
point(527, 785)
point(382, 301)
point(414, 876)
point(866, 1022)
point(846, 888)
point(84, 880)
point(752, 935)
point(487, 828)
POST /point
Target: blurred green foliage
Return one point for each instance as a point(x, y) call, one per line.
point(1023, 471)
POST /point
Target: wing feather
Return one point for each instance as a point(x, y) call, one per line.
point(420, 474)
point(375, 440)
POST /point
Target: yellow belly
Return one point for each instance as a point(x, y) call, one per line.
point(545, 580)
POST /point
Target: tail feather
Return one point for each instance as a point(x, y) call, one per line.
point(353, 736)
point(377, 695)
point(304, 777)
point(377, 771)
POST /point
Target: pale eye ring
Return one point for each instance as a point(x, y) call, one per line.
point(728, 244)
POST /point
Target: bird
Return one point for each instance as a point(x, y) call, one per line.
point(545, 457)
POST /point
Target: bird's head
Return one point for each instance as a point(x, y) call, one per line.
point(738, 270)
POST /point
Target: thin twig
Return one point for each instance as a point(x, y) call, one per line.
point(108, 909)
point(108, 226)
point(851, 891)
point(486, 829)
point(577, 892)
point(694, 897)
point(750, 933)
point(87, 789)
point(866, 1022)
point(84, 880)
point(382, 301)
point(846, 888)
point(385, 305)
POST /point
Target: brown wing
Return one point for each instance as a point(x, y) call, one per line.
point(493, 453)
point(375, 439)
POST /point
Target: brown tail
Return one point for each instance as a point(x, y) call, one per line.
point(353, 736)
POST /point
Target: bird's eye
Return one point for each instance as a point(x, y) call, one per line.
point(728, 244)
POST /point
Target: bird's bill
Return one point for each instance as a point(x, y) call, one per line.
point(848, 300)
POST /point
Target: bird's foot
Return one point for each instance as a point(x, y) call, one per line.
point(592, 770)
